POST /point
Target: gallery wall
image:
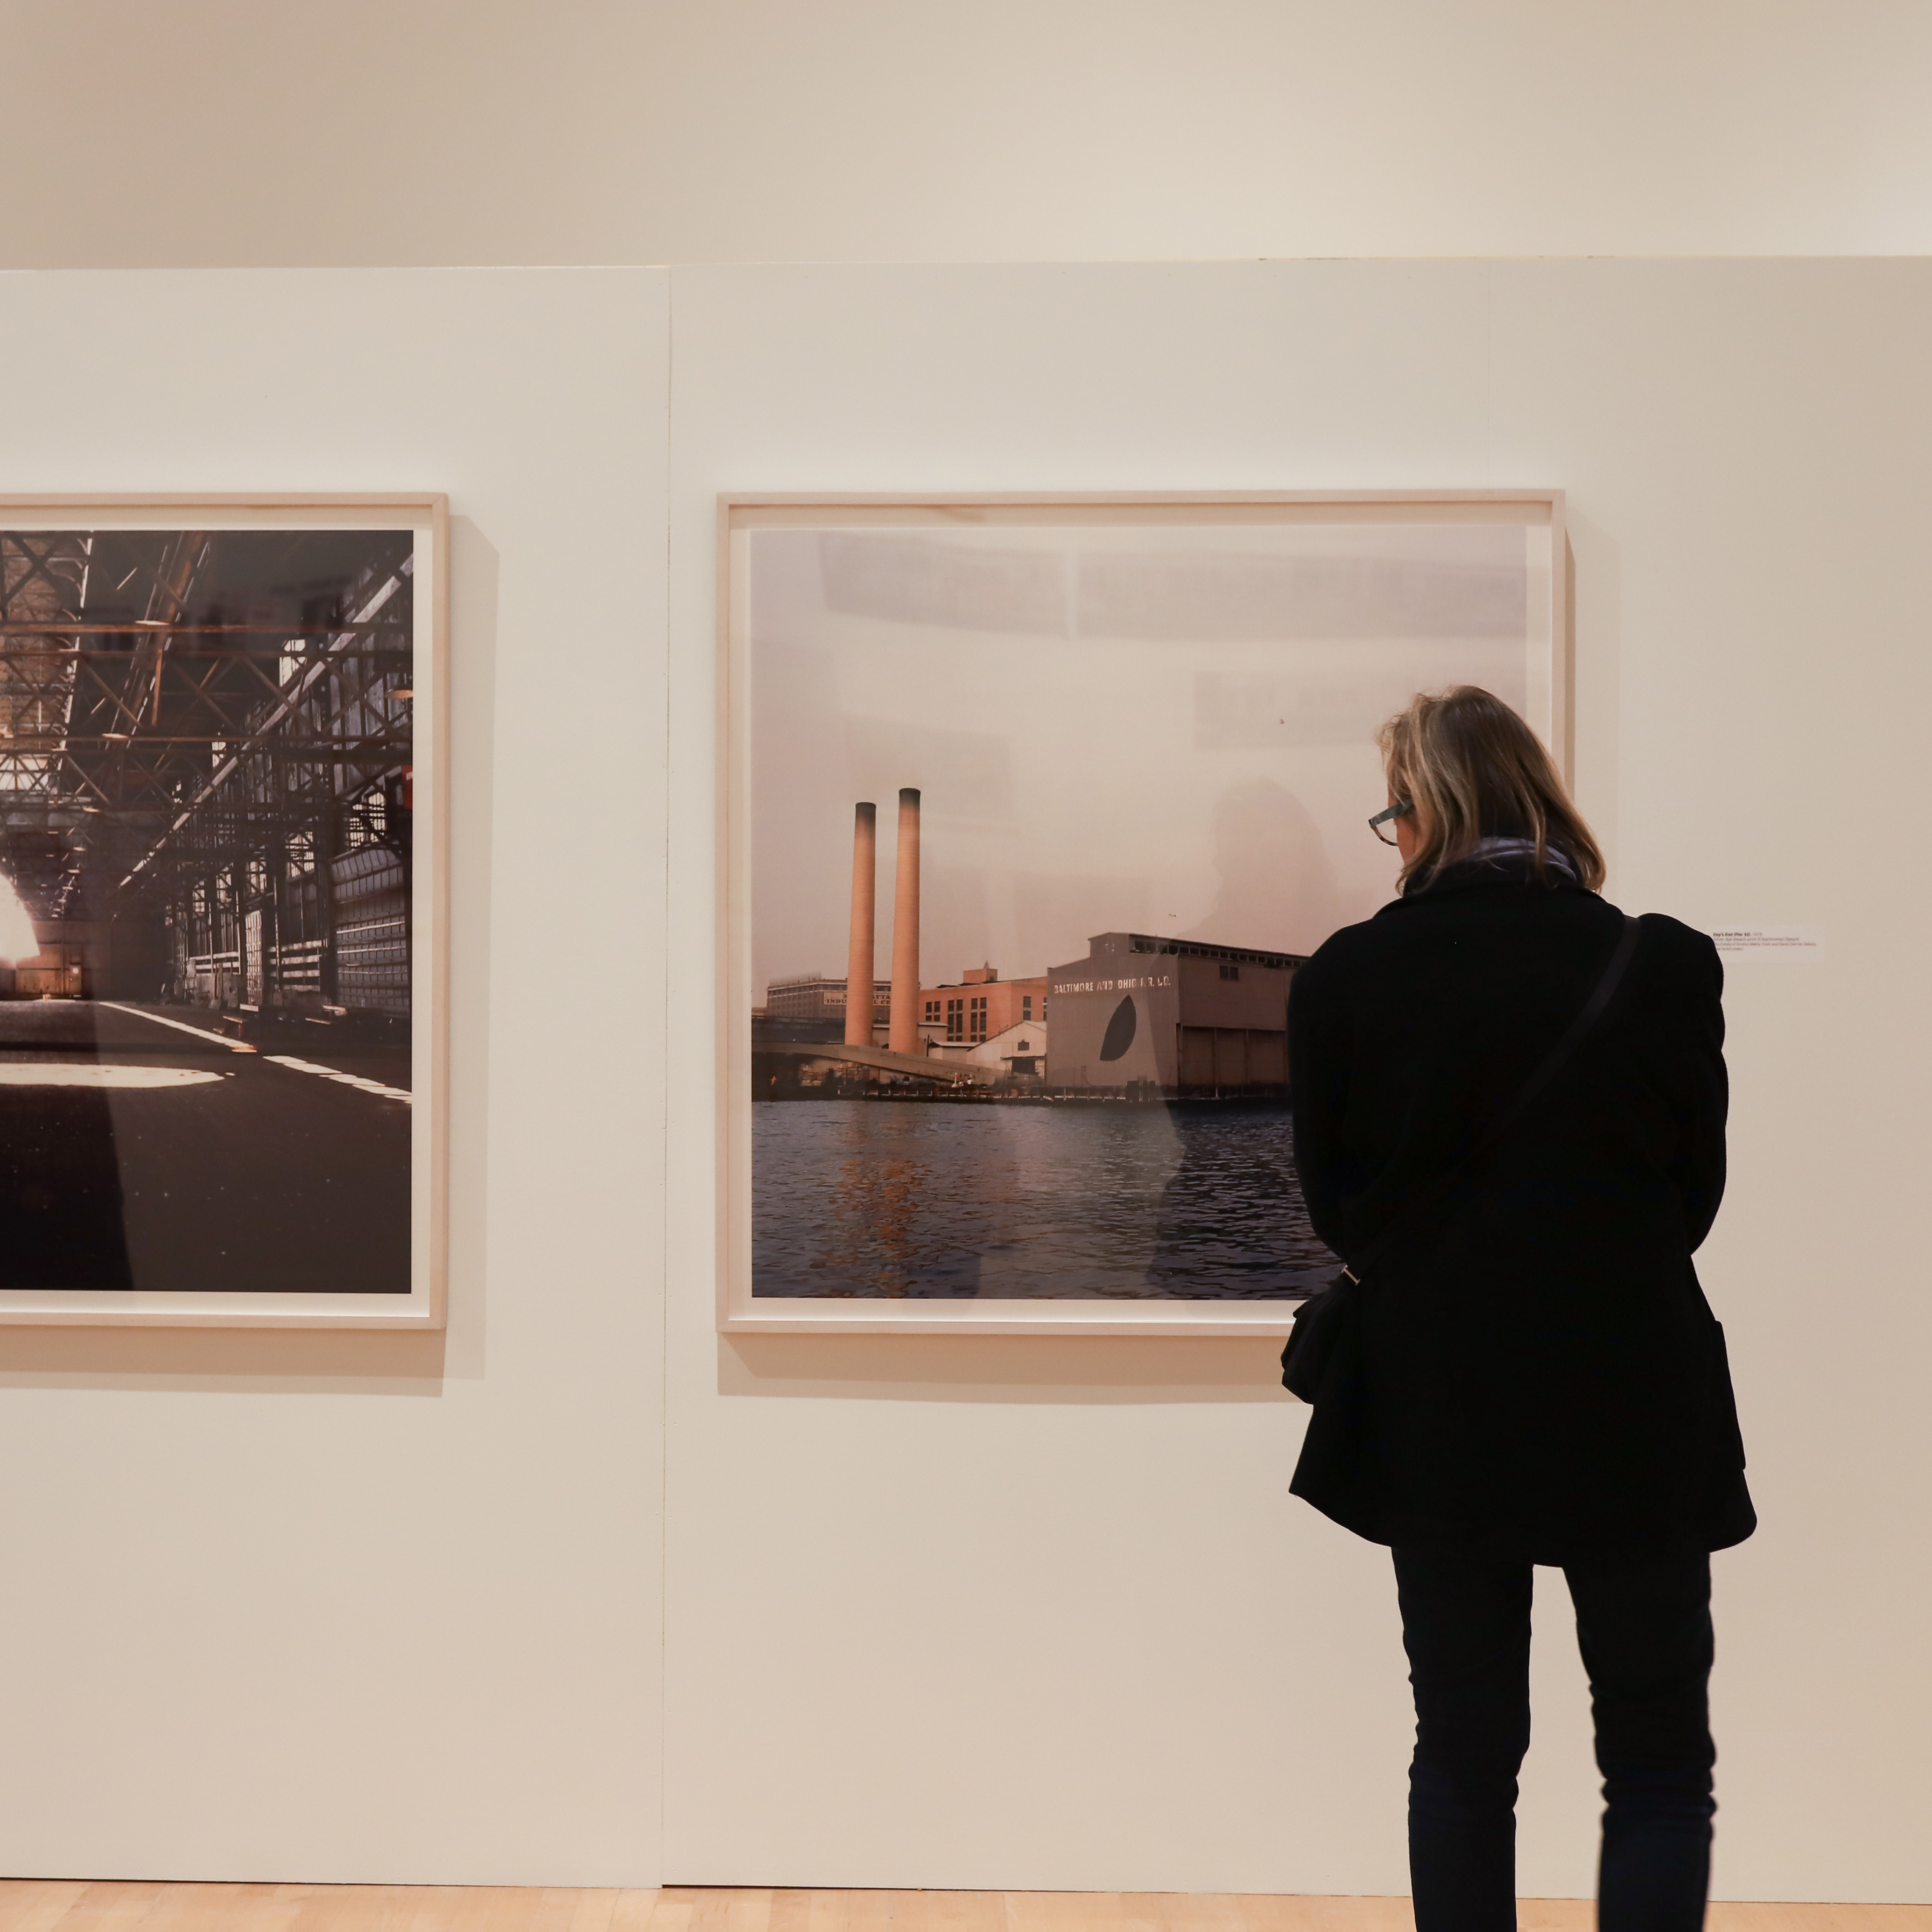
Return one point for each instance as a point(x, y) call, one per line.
point(1031, 1612)
point(383, 1607)
point(404, 132)
point(980, 1613)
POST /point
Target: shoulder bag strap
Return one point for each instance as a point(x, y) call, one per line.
point(1551, 1065)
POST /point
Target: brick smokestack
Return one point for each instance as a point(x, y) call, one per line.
point(903, 1036)
point(859, 964)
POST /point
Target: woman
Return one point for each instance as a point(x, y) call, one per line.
point(1528, 1372)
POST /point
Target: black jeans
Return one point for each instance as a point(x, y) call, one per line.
point(1645, 1636)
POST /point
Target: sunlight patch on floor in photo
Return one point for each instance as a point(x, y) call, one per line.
point(82, 1073)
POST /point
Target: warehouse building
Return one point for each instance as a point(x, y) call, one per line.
point(1185, 1020)
point(1018, 1051)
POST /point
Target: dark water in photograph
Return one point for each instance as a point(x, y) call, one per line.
point(883, 1198)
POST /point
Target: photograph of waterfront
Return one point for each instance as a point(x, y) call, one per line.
point(1038, 809)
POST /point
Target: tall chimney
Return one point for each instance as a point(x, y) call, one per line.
point(903, 1036)
point(860, 965)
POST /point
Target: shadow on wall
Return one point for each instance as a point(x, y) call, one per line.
point(229, 1361)
point(1277, 887)
point(1063, 1369)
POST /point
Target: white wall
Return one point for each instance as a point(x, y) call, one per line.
point(1031, 1612)
point(982, 1613)
point(225, 132)
point(371, 1607)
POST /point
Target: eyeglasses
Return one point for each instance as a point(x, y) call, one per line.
point(1383, 824)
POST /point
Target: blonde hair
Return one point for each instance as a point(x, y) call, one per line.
point(1473, 770)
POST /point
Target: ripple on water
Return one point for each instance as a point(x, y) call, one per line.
point(876, 1199)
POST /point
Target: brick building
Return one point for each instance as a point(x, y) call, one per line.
point(979, 1007)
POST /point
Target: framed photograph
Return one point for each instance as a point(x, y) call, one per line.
point(1031, 807)
point(222, 910)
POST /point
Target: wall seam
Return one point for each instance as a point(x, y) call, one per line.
point(1490, 369)
point(670, 311)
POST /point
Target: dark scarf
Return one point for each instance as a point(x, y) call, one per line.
point(1500, 859)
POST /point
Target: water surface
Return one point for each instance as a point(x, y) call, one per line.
point(942, 1200)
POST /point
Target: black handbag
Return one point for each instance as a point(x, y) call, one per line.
point(1323, 1319)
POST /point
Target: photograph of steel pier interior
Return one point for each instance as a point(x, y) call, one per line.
point(210, 944)
point(916, 1541)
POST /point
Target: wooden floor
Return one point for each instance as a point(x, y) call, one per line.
point(42, 1906)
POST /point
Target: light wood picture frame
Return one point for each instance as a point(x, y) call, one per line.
point(1115, 752)
point(224, 909)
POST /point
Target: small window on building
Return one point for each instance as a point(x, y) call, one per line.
point(956, 1019)
point(1026, 1006)
point(932, 1009)
point(1231, 972)
point(978, 1019)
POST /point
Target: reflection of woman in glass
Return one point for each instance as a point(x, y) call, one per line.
point(1528, 1372)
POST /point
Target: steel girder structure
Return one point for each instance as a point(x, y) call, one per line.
point(191, 717)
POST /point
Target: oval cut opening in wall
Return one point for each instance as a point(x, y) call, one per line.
point(1120, 1034)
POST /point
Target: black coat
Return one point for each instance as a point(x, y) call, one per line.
point(1530, 1368)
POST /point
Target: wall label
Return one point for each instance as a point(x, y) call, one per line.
point(1766, 941)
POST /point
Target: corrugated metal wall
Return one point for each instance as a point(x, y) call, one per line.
point(372, 936)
